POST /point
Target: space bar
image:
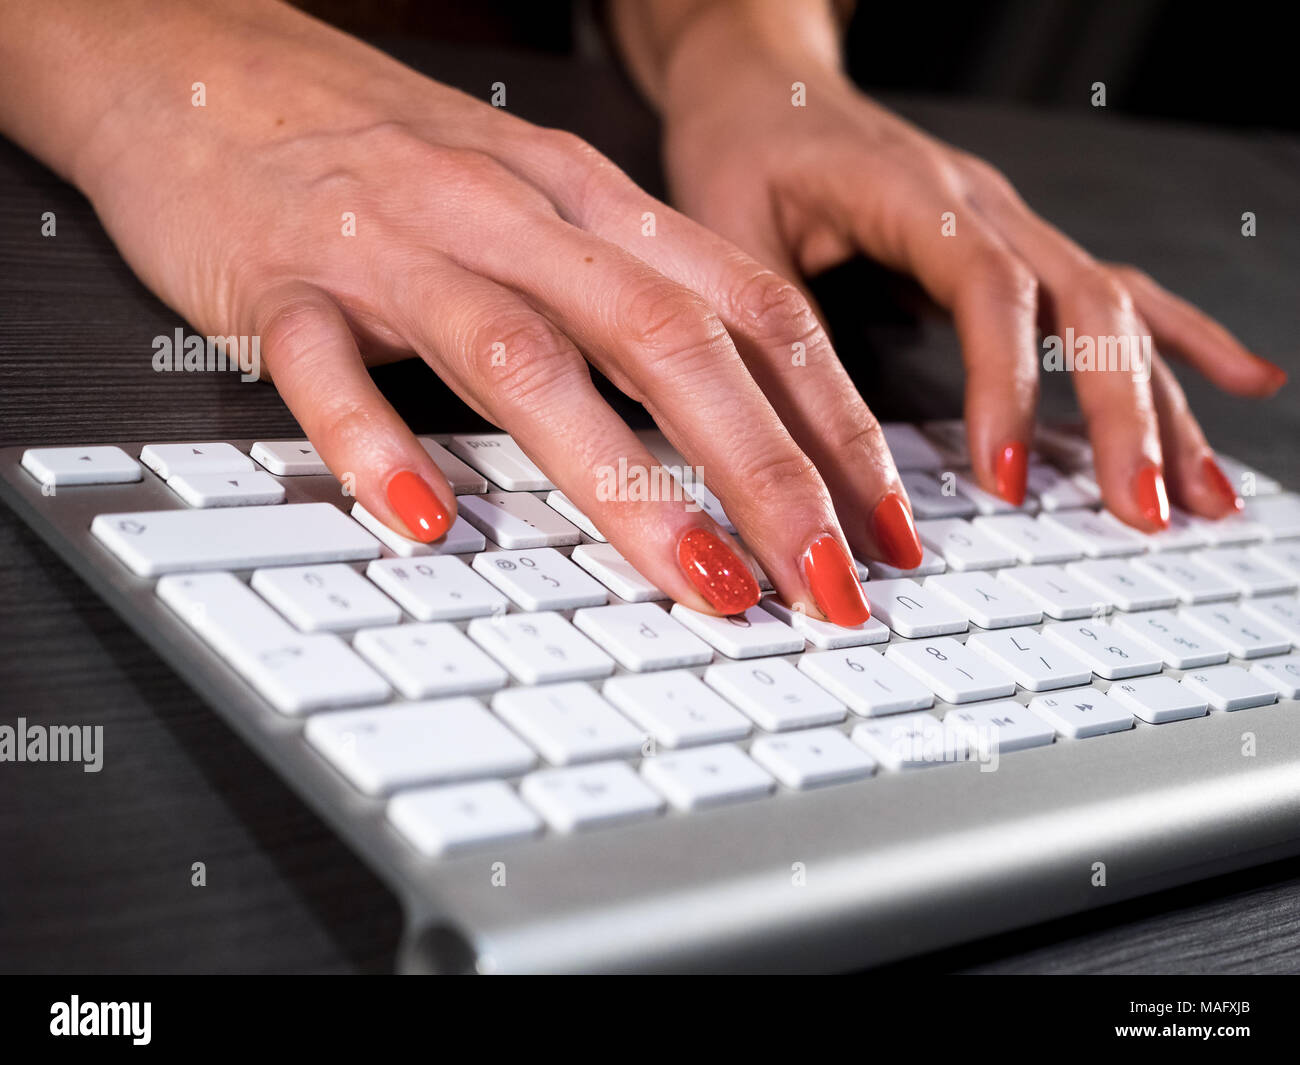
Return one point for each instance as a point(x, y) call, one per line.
point(154, 542)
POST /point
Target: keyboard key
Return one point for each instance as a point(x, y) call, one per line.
point(1245, 635)
point(428, 661)
point(325, 598)
point(562, 505)
point(931, 563)
point(1054, 591)
point(224, 611)
point(1246, 479)
point(1081, 713)
point(517, 520)
point(387, 748)
point(437, 588)
point(932, 499)
point(822, 634)
point(964, 545)
point(1282, 673)
point(1183, 532)
point(289, 458)
point(151, 543)
point(1233, 529)
point(1178, 644)
point(501, 461)
point(1058, 491)
point(167, 460)
point(812, 758)
point(59, 466)
point(1283, 554)
point(1097, 535)
point(987, 502)
point(590, 796)
point(1279, 514)
point(1186, 577)
point(913, 611)
point(1158, 700)
point(1231, 687)
point(1004, 725)
point(1282, 612)
point(463, 479)
point(865, 682)
point(677, 709)
point(540, 579)
point(604, 563)
point(753, 634)
point(1066, 445)
point(949, 436)
point(540, 648)
point(1027, 538)
point(953, 673)
point(1109, 653)
point(568, 723)
point(1030, 659)
point(1117, 582)
point(774, 694)
point(706, 776)
point(641, 636)
point(461, 539)
point(910, 448)
point(227, 489)
point(448, 820)
point(1249, 573)
point(905, 741)
point(990, 603)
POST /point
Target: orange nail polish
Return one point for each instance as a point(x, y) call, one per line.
point(1152, 499)
point(891, 522)
point(833, 579)
point(418, 507)
point(1012, 472)
point(717, 573)
point(1218, 480)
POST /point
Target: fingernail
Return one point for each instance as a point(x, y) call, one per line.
point(833, 579)
point(891, 522)
point(1152, 499)
point(717, 573)
point(1218, 480)
point(1012, 471)
point(418, 507)
point(1276, 377)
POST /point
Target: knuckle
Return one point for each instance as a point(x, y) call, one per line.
point(1006, 276)
point(1102, 288)
point(986, 177)
point(666, 321)
point(524, 361)
point(774, 307)
point(784, 475)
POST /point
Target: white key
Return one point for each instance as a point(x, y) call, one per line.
point(910, 448)
point(517, 520)
point(1240, 528)
point(1231, 687)
point(448, 820)
point(437, 588)
point(1065, 444)
point(1054, 591)
point(824, 635)
point(563, 505)
point(1184, 531)
point(913, 611)
point(461, 539)
point(1282, 673)
point(1097, 535)
point(865, 682)
point(1158, 700)
point(931, 563)
point(987, 601)
point(948, 669)
point(1056, 491)
point(430, 660)
point(540, 579)
point(700, 497)
point(905, 741)
point(289, 458)
point(604, 563)
point(227, 489)
point(812, 758)
point(1027, 539)
point(1186, 577)
point(325, 598)
point(987, 502)
point(463, 479)
point(589, 796)
point(1246, 479)
point(1117, 582)
point(1004, 725)
point(929, 500)
point(224, 611)
point(1284, 554)
point(964, 545)
point(1245, 635)
point(167, 460)
point(540, 648)
point(61, 466)
point(152, 543)
point(1250, 574)
point(1081, 713)
point(677, 709)
point(774, 694)
point(568, 723)
point(949, 436)
point(1279, 514)
point(753, 634)
point(1282, 612)
point(501, 461)
point(706, 776)
point(1109, 653)
point(1177, 643)
point(642, 636)
point(1030, 660)
point(387, 748)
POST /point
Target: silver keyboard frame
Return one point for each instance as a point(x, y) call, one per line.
point(894, 865)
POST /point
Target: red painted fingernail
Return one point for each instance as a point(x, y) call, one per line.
point(891, 522)
point(1012, 471)
point(1152, 499)
point(1218, 480)
point(717, 573)
point(834, 582)
point(418, 507)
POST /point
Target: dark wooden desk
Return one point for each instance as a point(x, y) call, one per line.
point(95, 873)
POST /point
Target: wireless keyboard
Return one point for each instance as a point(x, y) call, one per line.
point(556, 769)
